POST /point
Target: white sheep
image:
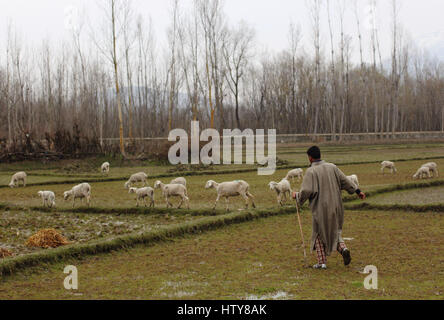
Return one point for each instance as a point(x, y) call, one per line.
point(181, 181)
point(354, 179)
point(433, 168)
point(137, 177)
point(80, 191)
point(173, 190)
point(389, 165)
point(48, 198)
point(422, 173)
point(296, 173)
point(17, 178)
point(231, 189)
point(142, 194)
point(282, 189)
point(105, 167)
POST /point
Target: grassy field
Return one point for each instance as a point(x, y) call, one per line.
point(415, 197)
point(113, 195)
point(366, 152)
point(259, 259)
point(18, 225)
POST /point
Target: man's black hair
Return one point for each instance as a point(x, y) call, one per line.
point(314, 152)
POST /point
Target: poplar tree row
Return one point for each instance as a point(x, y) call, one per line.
point(115, 80)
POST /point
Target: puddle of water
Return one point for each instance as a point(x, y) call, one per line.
point(280, 295)
point(182, 294)
point(172, 289)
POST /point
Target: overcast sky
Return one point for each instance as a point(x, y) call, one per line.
point(45, 19)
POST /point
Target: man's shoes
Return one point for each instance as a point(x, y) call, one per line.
point(320, 266)
point(347, 257)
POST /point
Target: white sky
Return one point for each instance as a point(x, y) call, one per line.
point(45, 19)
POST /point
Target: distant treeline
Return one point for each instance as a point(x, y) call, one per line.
point(115, 81)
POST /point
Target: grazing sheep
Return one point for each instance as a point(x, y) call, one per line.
point(142, 194)
point(80, 191)
point(48, 198)
point(231, 189)
point(17, 178)
point(389, 165)
point(105, 167)
point(433, 168)
point(173, 190)
point(137, 177)
point(354, 178)
point(282, 189)
point(181, 181)
point(422, 173)
point(296, 173)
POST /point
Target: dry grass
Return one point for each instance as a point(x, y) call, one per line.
point(47, 238)
point(11, 266)
point(18, 225)
point(4, 253)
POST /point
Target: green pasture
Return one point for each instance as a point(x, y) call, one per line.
point(205, 254)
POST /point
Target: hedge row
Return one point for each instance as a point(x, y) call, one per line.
point(439, 208)
point(399, 187)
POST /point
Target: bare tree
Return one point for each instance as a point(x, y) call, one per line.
point(237, 54)
point(315, 14)
point(374, 35)
point(109, 47)
point(294, 39)
point(7, 88)
point(333, 78)
point(189, 55)
point(172, 69)
point(128, 42)
point(344, 58)
point(363, 71)
point(214, 31)
point(395, 76)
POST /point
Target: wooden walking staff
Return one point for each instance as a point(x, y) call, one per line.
point(300, 228)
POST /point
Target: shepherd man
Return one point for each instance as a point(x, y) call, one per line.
point(322, 186)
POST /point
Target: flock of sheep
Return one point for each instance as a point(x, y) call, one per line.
point(426, 171)
point(178, 187)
